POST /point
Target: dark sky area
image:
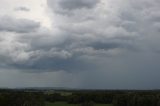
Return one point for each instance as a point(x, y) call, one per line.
point(98, 44)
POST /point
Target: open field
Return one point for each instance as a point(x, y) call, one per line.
point(65, 104)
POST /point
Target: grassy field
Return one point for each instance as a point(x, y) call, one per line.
point(65, 104)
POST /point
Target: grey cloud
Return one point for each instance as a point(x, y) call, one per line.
point(110, 45)
point(118, 31)
point(36, 53)
point(71, 48)
point(53, 64)
point(92, 39)
point(67, 7)
point(22, 8)
point(10, 24)
point(73, 4)
point(77, 4)
point(114, 44)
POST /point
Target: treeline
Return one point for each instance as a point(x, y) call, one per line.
point(137, 99)
point(77, 98)
point(86, 98)
point(21, 99)
point(117, 98)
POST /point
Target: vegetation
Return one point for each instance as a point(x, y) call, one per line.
point(66, 104)
point(60, 104)
point(21, 99)
point(79, 98)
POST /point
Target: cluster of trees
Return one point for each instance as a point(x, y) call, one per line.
point(82, 97)
point(96, 97)
point(56, 97)
point(21, 99)
point(136, 99)
point(76, 98)
point(88, 103)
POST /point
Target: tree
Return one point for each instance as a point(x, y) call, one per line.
point(88, 103)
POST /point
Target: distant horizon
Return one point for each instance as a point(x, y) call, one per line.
point(70, 88)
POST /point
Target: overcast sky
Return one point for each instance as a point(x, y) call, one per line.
point(98, 44)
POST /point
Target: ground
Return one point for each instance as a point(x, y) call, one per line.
point(65, 104)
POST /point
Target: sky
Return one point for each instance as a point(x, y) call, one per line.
point(89, 44)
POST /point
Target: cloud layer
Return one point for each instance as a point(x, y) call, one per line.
point(108, 38)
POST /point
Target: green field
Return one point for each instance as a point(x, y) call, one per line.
point(65, 104)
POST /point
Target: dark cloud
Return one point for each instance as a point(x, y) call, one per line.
point(77, 4)
point(10, 24)
point(42, 51)
point(72, 47)
point(110, 45)
point(51, 64)
point(67, 7)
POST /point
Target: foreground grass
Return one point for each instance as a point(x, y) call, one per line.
point(65, 104)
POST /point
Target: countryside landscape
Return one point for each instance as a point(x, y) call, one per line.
point(79, 52)
point(66, 97)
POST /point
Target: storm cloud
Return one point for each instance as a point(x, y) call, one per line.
point(97, 43)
